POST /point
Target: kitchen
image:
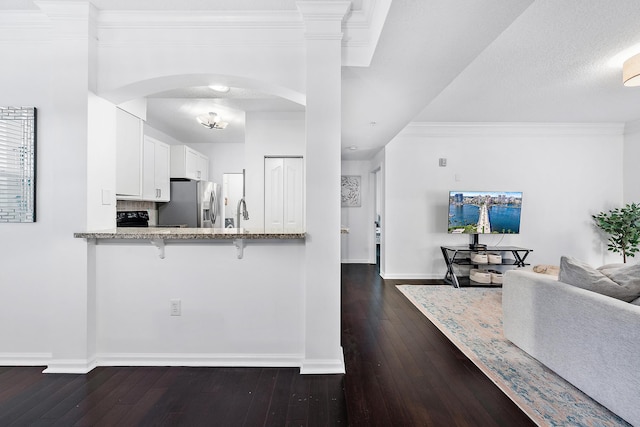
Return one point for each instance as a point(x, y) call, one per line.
point(149, 263)
point(82, 302)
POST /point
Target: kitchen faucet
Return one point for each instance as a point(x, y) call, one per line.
point(242, 205)
point(245, 214)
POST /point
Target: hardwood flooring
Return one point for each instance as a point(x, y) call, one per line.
point(401, 371)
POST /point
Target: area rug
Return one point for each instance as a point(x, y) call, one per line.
point(472, 319)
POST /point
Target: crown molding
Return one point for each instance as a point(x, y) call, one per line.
point(359, 29)
point(452, 129)
point(21, 20)
point(632, 127)
point(238, 20)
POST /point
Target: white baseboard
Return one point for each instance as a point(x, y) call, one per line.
point(323, 366)
point(200, 360)
point(25, 359)
point(70, 366)
point(81, 366)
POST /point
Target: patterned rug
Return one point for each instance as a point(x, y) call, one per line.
point(472, 319)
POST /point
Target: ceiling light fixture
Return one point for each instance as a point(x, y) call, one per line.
point(220, 88)
point(631, 71)
point(353, 148)
point(212, 121)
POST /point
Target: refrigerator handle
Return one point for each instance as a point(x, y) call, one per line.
point(212, 208)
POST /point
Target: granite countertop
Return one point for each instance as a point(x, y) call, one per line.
point(184, 234)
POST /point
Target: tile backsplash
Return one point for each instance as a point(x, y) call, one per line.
point(132, 205)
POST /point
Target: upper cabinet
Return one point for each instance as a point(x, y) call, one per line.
point(187, 163)
point(142, 163)
point(155, 170)
point(128, 156)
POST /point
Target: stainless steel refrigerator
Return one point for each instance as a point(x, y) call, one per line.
point(193, 203)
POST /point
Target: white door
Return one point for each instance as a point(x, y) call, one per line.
point(284, 194)
point(273, 194)
point(293, 181)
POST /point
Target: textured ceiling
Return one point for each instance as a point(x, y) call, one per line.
point(551, 65)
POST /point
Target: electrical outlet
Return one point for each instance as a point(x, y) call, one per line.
point(176, 307)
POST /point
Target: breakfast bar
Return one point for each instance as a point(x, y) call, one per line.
point(159, 235)
point(199, 305)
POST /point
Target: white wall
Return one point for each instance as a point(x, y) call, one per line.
point(44, 269)
point(101, 181)
point(567, 173)
point(241, 312)
point(630, 163)
point(223, 158)
point(27, 250)
point(358, 246)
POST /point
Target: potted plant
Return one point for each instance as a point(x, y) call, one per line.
point(623, 227)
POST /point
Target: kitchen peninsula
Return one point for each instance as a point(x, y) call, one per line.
point(231, 311)
point(171, 233)
point(158, 235)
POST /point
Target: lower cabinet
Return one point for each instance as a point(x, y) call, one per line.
point(284, 194)
point(155, 170)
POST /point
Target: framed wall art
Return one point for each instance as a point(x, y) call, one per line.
point(351, 191)
point(17, 164)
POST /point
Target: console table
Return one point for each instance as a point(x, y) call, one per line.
point(456, 256)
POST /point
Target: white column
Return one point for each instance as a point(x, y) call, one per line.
point(71, 285)
point(323, 40)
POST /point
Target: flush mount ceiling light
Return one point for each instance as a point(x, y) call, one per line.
point(631, 71)
point(212, 121)
point(220, 88)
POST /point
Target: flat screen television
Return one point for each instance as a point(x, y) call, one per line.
point(484, 212)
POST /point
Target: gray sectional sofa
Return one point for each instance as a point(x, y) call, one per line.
point(591, 340)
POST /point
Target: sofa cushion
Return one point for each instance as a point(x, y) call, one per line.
point(622, 283)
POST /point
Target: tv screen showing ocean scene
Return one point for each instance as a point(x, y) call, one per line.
point(484, 212)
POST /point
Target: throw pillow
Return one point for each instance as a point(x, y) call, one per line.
point(627, 276)
point(615, 265)
point(582, 275)
point(546, 269)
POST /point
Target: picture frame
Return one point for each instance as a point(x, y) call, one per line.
point(351, 189)
point(17, 164)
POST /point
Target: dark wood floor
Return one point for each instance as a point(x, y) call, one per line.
point(401, 371)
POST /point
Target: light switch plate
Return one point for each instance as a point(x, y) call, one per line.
point(106, 197)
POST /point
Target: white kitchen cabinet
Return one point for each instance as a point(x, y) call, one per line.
point(155, 170)
point(128, 156)
point(203, 167)
point(284, 194)
point(187, 163)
